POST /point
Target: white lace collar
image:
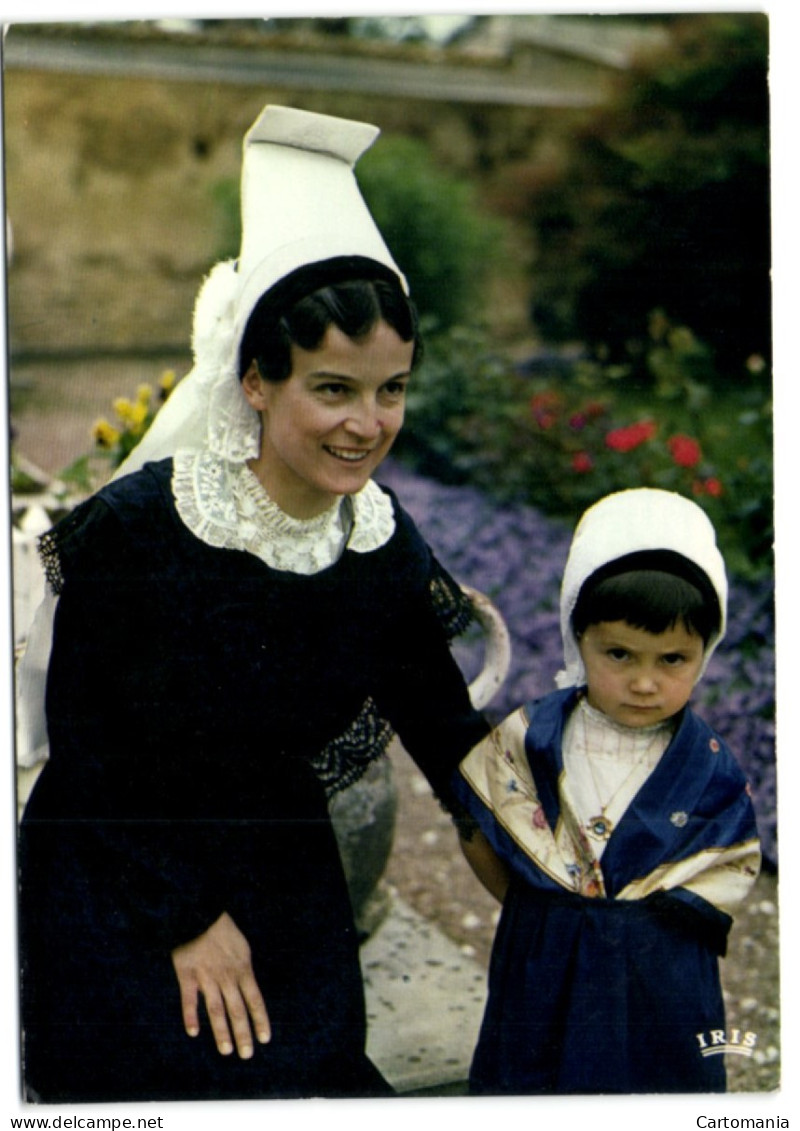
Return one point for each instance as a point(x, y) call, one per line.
point(224, 505)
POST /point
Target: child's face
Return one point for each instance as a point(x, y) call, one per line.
point(639, 678)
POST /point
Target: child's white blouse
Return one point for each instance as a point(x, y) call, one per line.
point(606, 764)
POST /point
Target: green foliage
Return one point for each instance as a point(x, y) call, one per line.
point(663, 201)
point(438, 234)
point(560, 443)
point(225, 199)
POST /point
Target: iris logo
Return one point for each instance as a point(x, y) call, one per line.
point(718, 1041)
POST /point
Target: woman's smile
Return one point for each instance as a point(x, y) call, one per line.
point(349, 455)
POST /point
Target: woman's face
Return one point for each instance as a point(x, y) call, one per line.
point(325, 429)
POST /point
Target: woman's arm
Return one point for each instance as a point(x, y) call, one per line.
point(130, 791)
point(118, 771)
point(422, 690)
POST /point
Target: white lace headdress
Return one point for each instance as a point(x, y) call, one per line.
point(630, 522)
point(301, 205)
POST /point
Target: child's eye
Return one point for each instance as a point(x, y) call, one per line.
point(673, 659)
point(617, 654)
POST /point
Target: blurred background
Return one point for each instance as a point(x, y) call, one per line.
point(582, 207)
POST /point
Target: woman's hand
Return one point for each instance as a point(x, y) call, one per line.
point(217, 965)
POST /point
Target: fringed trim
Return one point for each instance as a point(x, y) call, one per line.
point(346, 758)
point(51, 561)
point(54, 544)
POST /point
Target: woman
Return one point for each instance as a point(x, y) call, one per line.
point(243, 617)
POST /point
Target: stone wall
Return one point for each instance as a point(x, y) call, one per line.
point(110, 191)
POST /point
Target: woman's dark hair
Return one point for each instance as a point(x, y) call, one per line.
point(650, 598)
point(351, 294)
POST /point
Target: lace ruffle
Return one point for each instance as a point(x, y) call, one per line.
point(225, 506)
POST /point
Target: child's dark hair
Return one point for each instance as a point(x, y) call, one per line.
point(652, 593)
point(351, 294)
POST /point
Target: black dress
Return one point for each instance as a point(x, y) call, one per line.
point(201, 706)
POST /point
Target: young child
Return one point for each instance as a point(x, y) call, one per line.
point(615, 826)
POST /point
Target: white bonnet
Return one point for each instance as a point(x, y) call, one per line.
point(629, 522)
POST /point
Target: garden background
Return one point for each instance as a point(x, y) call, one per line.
point(592, 269)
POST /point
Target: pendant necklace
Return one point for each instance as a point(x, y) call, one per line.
point(600, 827)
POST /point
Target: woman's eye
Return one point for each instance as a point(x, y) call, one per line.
point(394, 389)
point(333, 388)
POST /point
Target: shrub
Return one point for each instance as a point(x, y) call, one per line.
point(441, 238)
point(662, 199)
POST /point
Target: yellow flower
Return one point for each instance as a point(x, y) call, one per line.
point(138, 416)
point(166, 383)
point(105, 434)
point(144, 394)
point(124, 409)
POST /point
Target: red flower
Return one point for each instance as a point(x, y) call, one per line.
point(582, 462)
point(712, 487)
point(547, 399)
point(630, 437)
point(684, 450)
point(577, 422)
point(543, 408)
